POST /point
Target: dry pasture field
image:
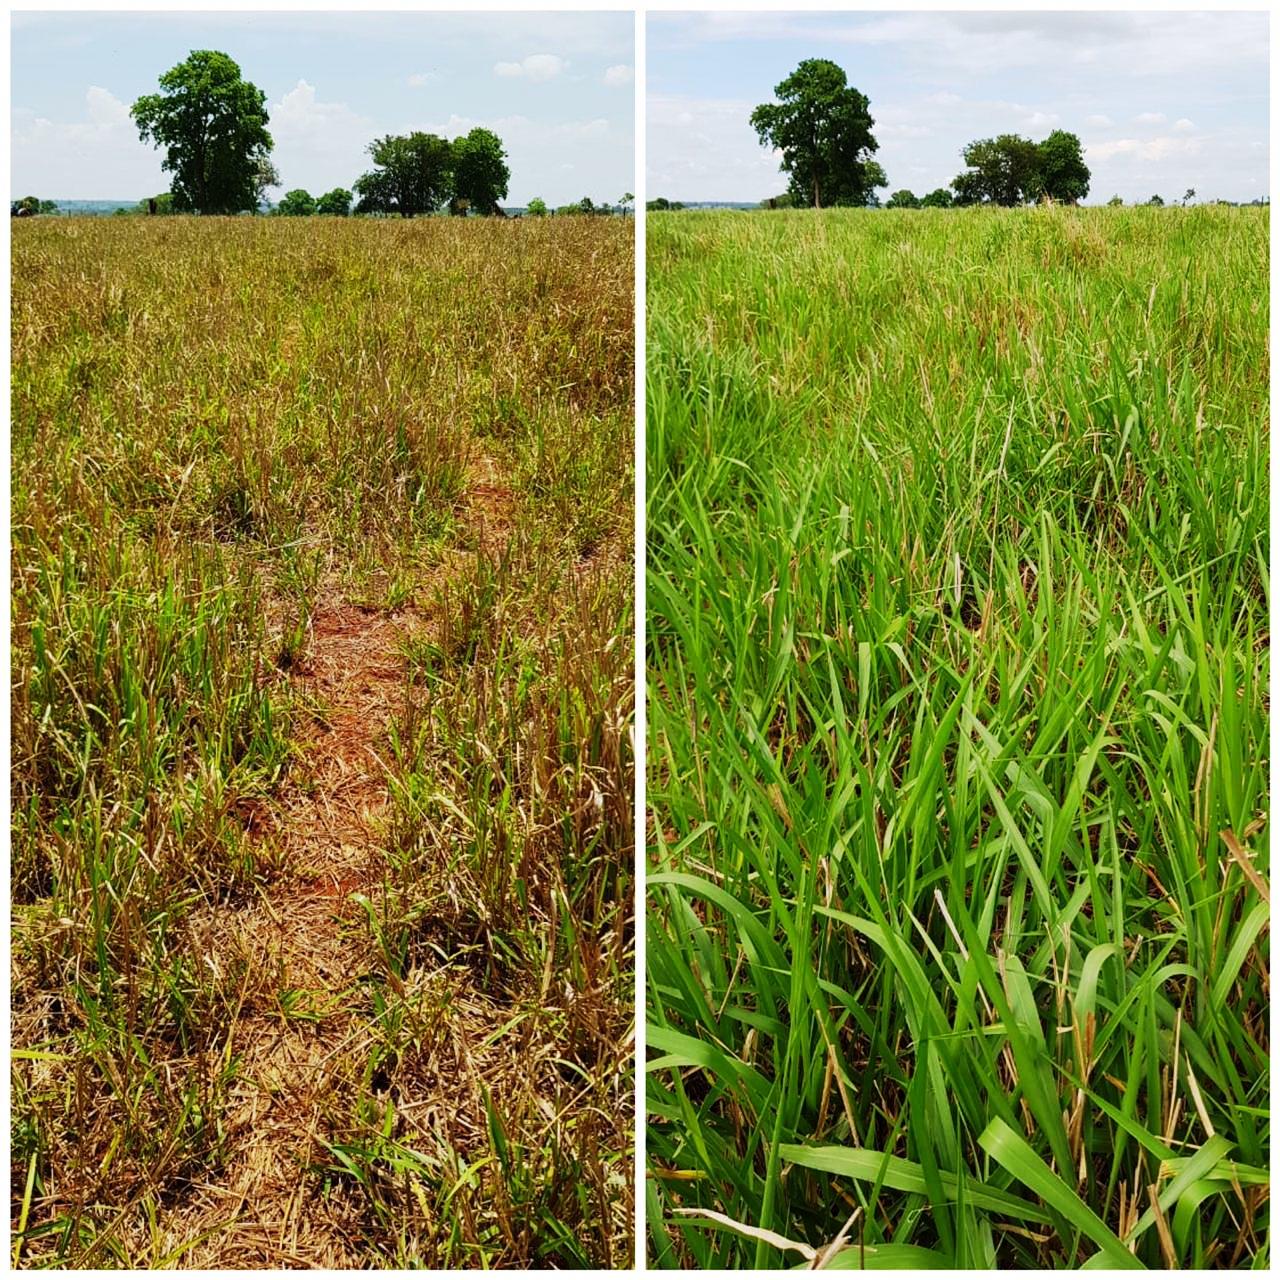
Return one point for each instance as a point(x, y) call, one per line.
point(322, 775)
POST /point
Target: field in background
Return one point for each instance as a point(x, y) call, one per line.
point(322, 777)
point(958, 738)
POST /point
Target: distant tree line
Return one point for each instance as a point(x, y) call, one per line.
point(212, 125)
point(1012, 170)
point(822, 128)
point(418, 173)
point(538, 207)
point(301, 204)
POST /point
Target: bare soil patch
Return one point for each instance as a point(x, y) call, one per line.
point(304, 936)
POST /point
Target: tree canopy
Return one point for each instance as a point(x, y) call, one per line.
point(1003, 170)
point(480, 173)
point(822, 127)
point(1011, 170)
point(212, 124)
point(418, 173)
point(1063, 172)
point(412, 175)
point(903, 200)
point(336, 203)
point(296, 204)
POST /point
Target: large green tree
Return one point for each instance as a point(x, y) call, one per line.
point(903, 199)
point(480, 172)
point(1063, 172)
point(1003, 170)
point(412, 175)
point(212, 124)
point(822, 127)
point(1010, 170)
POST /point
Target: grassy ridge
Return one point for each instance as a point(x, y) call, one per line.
point(221, 430)
point(958, 758)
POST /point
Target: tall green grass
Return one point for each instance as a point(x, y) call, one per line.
point(957, 627)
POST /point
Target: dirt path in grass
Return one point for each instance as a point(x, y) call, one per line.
point(304, 947)
point(304, 944)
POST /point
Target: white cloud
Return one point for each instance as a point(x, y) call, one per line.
point(536, 148)
point(709, 151)
point(66, 159)
point(1150, 117)
point(300, 115)
point(1146, 149)
point(107, 120)
point(536, 68)
point(105, 108)
point(1131, 45)
point(1099, 122)
point(543, 66)
point(419, 78)
point(620, 75)
point(518, 130)
point(1184, 125)
point(892, 129)
point(317, 143)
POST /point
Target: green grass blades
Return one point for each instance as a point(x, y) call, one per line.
point(958, 738)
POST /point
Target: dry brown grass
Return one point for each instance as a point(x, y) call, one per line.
point(322, 838)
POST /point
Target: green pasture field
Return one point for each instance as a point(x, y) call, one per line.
point(322, 777)
point(958, 690)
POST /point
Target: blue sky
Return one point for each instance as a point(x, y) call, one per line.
point(1162, 101)
point(558, 88)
